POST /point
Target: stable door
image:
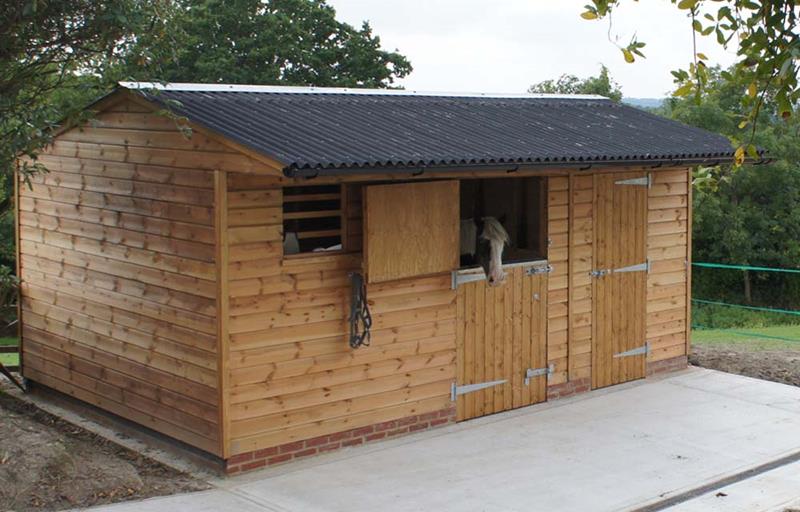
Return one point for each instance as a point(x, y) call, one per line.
point(619, 348)
point(501, 336)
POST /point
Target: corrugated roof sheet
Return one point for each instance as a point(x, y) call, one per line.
point(336, 131)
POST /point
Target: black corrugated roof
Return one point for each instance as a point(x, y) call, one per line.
point(336, 131)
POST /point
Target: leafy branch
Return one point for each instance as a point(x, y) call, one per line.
point(765, 34)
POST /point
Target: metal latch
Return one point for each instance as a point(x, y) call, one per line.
point(538, 372)
point(456, 390)
point(600, 272)
point(532, 271)
point(643, 350)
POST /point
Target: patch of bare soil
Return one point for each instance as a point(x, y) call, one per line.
point(49, 464)
point(775, 365)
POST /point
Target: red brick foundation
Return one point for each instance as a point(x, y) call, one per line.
point(667, 365)
point(357, 436)
point(570, 388)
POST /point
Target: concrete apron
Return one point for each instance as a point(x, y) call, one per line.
point(621, 448)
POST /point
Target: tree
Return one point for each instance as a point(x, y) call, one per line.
point(53, 58)
point(292, 42)
point(45, 47)
point(57, 56)
point(749, 215)
point(601, 84)
point(765, 35)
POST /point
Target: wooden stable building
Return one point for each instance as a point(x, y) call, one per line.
point(195, 273)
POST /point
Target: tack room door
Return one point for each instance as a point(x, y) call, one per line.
point(502, 352)
point(619, 349)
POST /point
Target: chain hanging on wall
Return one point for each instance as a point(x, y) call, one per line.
point(360, 318)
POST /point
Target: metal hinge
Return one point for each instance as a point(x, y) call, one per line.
point(639, 267)
point(538, 372)
point(532, 271)
point(644, 181)
point(643, 350)
point(457, 278)
point(456, 390)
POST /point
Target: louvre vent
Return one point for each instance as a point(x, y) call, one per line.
point(312, 219)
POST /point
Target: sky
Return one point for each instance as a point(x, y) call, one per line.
point(504, 46)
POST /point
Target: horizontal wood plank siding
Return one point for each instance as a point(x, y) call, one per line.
point(293, 375)
point(580, 292)
point(668, 281)
point(119, 279)
point(558, 226)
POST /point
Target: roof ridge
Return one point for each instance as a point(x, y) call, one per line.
point(287, 89)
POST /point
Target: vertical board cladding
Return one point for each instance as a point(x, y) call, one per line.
point(293, 375)
point(411, 230)
point(570, 312)
point(668, 251)
point(118, 266)
point(503, 333)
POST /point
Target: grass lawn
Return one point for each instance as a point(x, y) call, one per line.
point(9, 359)
point(774, 338)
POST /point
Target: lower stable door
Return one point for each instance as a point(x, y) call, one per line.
point(619, 349)
point(502, 349)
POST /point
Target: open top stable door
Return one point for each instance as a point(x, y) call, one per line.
point(619, 349)
point(501, 334)
point(410, 229)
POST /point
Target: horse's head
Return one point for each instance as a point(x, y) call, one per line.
point(489, 251)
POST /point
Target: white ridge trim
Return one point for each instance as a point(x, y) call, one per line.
point(284, 89)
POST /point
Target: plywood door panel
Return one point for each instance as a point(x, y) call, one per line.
point(620, 240)
point(501, 332)
point(411, 230)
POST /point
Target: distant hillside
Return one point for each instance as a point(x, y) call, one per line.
point(644, 102)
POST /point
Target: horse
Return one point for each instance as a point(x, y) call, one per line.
point(485, 249)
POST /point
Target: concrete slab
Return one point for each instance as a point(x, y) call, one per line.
point(773, 491)
point(616, 449)
point(205, 501)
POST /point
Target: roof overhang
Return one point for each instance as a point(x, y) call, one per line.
point(311, 173)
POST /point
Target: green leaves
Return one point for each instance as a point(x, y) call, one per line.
point(764, 36)
point(290, 42)
point(738, 156)
point(633, 49)
point(629, 58)
point(601, 84)
point(601, 8)
point(684, 90)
